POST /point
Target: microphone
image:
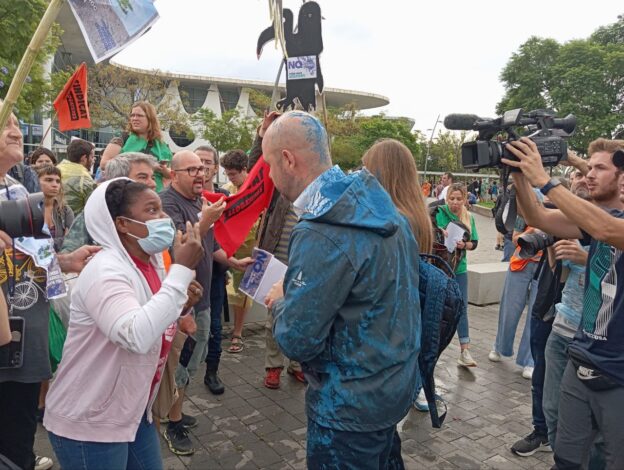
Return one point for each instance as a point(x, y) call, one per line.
point(461, 122)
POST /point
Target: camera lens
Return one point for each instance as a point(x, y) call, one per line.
point(531, 243)
point(23, 217)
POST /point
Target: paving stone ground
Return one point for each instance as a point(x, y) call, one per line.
point(250, 426)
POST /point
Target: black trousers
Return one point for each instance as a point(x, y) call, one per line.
point(18, 409)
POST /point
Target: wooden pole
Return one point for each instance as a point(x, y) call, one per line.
point(28, 60)
point(47, 131)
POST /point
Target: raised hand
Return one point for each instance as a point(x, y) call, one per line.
point(212, 212)
point(267, 121)
point(187, 248)
point(194, 292)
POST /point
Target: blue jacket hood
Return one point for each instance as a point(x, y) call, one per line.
point(356, 200)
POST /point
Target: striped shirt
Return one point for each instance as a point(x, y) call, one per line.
point(281, 251)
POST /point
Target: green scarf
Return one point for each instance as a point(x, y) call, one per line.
point(158, 149)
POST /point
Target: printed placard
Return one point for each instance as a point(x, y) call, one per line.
point(301, 68)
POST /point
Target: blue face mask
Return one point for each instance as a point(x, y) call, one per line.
point(160, 236)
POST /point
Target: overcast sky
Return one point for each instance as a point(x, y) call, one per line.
point(428, 58)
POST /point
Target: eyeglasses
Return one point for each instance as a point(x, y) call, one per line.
point(192, 170)
point(137, 116)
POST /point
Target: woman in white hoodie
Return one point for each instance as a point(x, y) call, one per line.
point(122, 321)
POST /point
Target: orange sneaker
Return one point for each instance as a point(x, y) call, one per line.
point(298, 375)
point(272, 377)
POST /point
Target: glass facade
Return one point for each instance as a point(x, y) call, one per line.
point(193, 97)
point(229, 97)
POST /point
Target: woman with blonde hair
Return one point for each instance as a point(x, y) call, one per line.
point(143, 135)
point(392, 163)
point(455, 211)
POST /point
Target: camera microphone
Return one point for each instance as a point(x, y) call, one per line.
point(462, 122)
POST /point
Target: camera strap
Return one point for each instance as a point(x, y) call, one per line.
point(10, 276)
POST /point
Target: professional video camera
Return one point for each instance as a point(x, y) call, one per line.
point(541, 126)
point(23, 217)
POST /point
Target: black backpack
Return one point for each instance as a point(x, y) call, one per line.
point(441, 305)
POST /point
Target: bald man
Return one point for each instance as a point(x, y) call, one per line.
point(183, 202)
point(349, 307)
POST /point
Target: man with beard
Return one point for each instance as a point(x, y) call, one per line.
point(568, 313)
point(592, 387)
point(183, 202)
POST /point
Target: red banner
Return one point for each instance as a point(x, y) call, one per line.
point(71, 105)
point(243, 208)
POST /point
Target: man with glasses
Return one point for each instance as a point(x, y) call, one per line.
point(208, 156)
point(183, 202)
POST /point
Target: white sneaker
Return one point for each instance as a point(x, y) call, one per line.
point(421, 402)
point(494, 356)
point(466, 360)
point(43, 463)
point(527, 373)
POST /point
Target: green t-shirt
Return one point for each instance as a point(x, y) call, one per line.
point(443, 217)
point(157, 148)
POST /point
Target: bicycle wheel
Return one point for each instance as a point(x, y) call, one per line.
point(25, 295)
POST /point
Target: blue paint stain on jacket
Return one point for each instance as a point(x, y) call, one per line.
point(351, 310)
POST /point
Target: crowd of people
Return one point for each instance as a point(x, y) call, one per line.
point(149, 284)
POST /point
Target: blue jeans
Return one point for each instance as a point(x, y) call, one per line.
point(331, 448)
point(217, 299)
point(518, 289)
point(142, 454)
point(183, 374)
point(556, 361)
point(540, 332)
point(463, 332)
point(508, 249)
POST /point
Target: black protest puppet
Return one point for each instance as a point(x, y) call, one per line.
point(303, 49)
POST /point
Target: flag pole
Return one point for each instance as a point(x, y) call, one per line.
point(47, 130)
point(28, 60)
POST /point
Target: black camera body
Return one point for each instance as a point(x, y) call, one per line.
point(541, 126)
point(532, 243)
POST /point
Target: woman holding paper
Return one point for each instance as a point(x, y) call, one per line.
point(455, 211)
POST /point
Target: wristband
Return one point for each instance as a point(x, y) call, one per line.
point(548, 186)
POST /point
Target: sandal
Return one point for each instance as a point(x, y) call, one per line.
point(236, 347)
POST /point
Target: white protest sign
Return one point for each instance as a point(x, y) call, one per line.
point(299, 68)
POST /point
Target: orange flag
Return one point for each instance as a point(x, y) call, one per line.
point(71, 104)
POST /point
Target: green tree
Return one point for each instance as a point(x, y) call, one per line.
point(352, 134)
point(231, 130)
point(583, 77)
point(112, 90)
point(18, 21)
point(445, 152)
point(259, 101)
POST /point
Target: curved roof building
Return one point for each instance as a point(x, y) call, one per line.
point(222, 94)
point(192, 92)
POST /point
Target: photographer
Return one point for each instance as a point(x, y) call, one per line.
point(592, 387)
point(19, 386)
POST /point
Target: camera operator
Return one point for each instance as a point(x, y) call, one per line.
point(592, 387)
point(19, 386)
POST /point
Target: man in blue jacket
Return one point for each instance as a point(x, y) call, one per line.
point(349, 309)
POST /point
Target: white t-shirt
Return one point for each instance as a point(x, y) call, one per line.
point(442, 195)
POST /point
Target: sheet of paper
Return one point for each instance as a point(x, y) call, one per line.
point(260, 276)
point(455, 234)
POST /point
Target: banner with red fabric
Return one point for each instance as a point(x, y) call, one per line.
point(71, 105)
point(243, 208)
